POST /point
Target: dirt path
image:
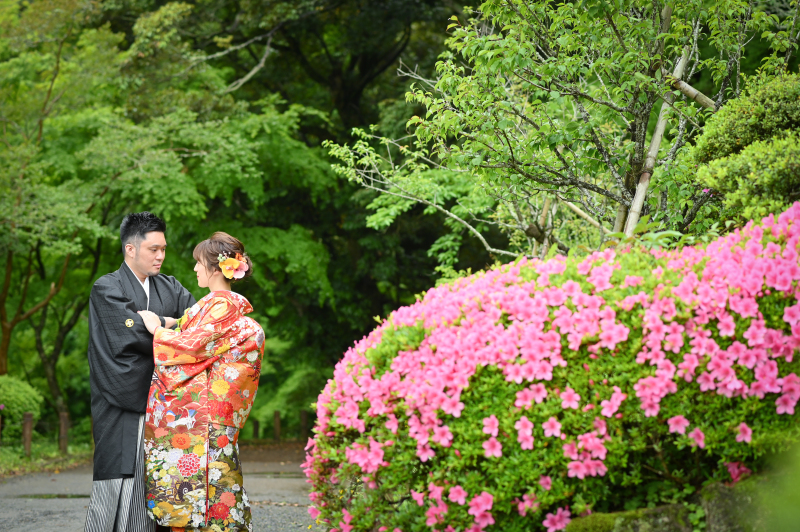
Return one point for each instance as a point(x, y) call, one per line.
point(272, 477)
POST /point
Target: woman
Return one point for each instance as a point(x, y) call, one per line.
point(203, 388)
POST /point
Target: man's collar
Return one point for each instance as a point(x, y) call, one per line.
point(134, 274)
point(133, 287)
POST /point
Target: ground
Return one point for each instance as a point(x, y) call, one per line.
point(272, 477)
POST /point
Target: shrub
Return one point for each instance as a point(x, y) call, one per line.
point(519, 397)
point(767, 109)
point(18, 397)
point(762, 179)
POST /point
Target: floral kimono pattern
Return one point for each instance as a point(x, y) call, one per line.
point(203, 388)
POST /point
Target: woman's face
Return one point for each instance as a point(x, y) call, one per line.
point(203, 275)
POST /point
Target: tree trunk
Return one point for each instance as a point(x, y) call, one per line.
point(619, 222)
point(52, 383)
point(50, 362)
point(5, 343)
point(652, 152)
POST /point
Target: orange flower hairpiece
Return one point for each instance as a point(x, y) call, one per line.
point(233, 267)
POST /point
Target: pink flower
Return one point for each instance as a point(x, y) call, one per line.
point(442, 436)
point(535, 392)
point(391, 423)
point(490, 425)
point(480, 503)
point(610, 407)
point(632, 280)
point(569, 399)
point(791, 315)
point(559, 521)
point(418, 497)
point(698, 437)
point(552, 427)
point(528, 501)
point(745, 433)
point(576, 469)
point(570, 450)
point(484, 519)
point(425, 452)
point(539, 392)
point(240, 269)
point(524, 399)
point(737, 470)
point(525, 441)
point(785, 404)
point(492, 448)
point(678, 424)
point(434, 514)
point(524, 426)
point(435, 492)
point(600, 425)
point(457, 494)
point(452, 406)
point(545, 482)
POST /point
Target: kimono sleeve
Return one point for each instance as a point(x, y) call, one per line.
point(171, 348)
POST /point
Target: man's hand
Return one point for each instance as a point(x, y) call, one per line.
point(151, 320)
point(170, 322)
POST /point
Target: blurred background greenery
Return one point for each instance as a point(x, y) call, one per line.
point(120, 106)
point(213, 114)
point(779, 493)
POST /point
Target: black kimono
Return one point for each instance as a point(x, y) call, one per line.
point(121, 361)
point(120, 370)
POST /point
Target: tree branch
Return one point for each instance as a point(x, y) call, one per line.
point(574, 208)
point(652, 153)
point(241, 81)
point(689, 91)
point(690, 216)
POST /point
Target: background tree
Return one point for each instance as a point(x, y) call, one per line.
point(145, 120)
point(585, 105)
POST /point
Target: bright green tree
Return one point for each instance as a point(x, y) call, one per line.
point(582, 103)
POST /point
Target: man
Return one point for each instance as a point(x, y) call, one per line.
point(120, 370)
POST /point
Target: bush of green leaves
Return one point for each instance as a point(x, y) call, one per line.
point(765, 110)
point(18, 397)
point(762, 179)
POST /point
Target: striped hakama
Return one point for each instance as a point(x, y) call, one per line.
point(118, 504)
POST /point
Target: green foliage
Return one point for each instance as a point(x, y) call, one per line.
point(407, 177)
point(557, 103)
point(593, 523)
point(734, 172)
point(696, 517)
point(762, 179)
point(143, 115)
point(768, 108)
point(18, 397)
point(45, 456)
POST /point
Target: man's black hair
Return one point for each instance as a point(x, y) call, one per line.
point(136, 225)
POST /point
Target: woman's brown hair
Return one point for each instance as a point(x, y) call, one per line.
point(208, 251)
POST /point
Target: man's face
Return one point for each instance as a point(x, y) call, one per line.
point(148, 257)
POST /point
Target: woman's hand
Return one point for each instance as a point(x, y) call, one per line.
point(151, 320)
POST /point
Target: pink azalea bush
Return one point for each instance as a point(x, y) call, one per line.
point(522, 397)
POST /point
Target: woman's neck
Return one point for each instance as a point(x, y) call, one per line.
point(216, 284)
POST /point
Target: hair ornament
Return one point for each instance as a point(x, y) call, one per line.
point(233, 267)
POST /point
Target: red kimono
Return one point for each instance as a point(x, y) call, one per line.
point(203, 388)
